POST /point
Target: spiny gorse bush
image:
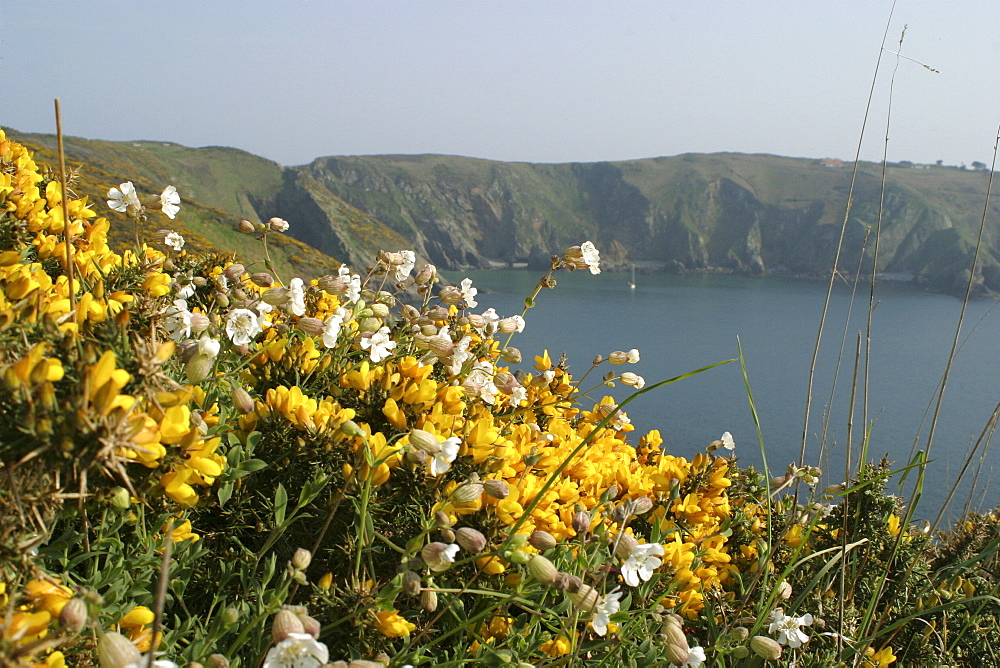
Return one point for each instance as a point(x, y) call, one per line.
point(204, 465)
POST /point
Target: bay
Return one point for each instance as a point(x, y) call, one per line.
point(682, 323)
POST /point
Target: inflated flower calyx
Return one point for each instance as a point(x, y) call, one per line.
point(73, 617)
point(470, 540)
point(467, 493)
point(116, 651)
point(585, 598)
point(581, 522)
point(511, 355)
point(302, 558)
point(496, 489)
point(624, 545)
point(379, 310)
point(542, 570)
point(448, 535)
point(426, 441)
point(429, 600)
point(310, 625)
point(618, 357)
point(766, 648)
point(677, 645)
point(234, 271)
point(242, 401)
point(542, 540)
point(285, 623)
point(311, 326)
point(451, 296)
point(246, 227)
point(276, 296)
point(411, 584)
point(217, 661)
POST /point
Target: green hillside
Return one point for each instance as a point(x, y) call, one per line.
point(752, 214)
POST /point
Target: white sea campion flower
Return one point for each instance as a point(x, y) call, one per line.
point(591, 257)
point(641, 563)
point(633, 355)
point(518, 395)
point(354, 285)
point(278, 224)
point(242, 326)
point(696, 657)
point(298, 650)
point(727, 441)
point(441, 461)
point(378, 345)
point(178, 322)
point(208, 346)
point(403, 270)
point(123, 197)
point(170, 202)
point(331, 329)
point(491, 318)
point(607, 606)
point(174, 240)
point(789, 628)
point(296, 297)
point(158, 663)
point(469, 293)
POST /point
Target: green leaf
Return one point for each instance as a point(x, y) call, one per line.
point(225, 493)
point(252, 465)
point(280, 505)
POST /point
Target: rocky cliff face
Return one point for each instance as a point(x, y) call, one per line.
point(745, 214)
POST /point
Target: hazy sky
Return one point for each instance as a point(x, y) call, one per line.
point(535, 81)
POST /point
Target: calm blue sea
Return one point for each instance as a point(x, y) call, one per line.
point(681, 323)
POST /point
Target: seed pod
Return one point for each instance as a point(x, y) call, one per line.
point(470, 540)
point(766, 648)
point(542, 570)
point(542, 540)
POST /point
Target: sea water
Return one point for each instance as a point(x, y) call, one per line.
point(683, 323)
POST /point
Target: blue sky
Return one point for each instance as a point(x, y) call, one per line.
point(532, 81)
